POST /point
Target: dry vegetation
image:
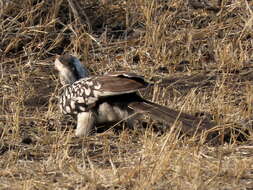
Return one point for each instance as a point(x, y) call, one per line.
point(200, 61)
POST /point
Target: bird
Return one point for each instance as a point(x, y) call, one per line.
point(110, 98)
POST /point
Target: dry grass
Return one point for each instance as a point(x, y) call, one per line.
point(200, 60)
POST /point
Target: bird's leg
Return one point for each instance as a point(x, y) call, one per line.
point(85, 122)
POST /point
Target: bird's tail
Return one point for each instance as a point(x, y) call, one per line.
point(189, 123)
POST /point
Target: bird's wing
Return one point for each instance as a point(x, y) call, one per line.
point(84, 93)
point(120, 83)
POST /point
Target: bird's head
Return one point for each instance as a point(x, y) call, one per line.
point(70, 69)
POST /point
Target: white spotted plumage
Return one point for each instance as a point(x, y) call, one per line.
point(79, 96)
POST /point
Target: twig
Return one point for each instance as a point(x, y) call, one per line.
point(79, 14)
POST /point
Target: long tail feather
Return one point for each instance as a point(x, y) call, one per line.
point(190, 124)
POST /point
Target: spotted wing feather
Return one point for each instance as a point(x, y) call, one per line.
point(83, 94)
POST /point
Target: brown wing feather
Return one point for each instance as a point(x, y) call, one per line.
point(121, 83)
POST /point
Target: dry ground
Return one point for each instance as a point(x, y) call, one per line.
point(200, 60)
